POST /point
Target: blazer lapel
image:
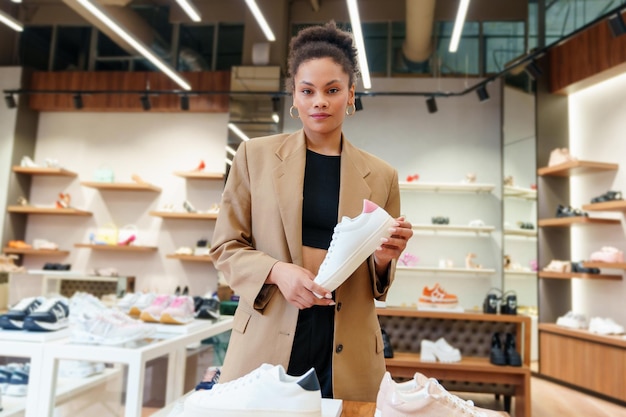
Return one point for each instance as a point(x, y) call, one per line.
point(353, 187)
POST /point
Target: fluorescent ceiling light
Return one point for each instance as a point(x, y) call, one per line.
point(229, 162)
point(11, 22)
point(458, 25)
point(238, 132)
point(189, 8)
point(135, 43)
point(230, 150)
point(261, 20)
point(355, 21)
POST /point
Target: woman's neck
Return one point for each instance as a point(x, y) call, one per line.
point(329, 145)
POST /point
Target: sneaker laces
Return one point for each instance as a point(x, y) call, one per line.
point(333, 241)
point(465, 406)
point(241, 381)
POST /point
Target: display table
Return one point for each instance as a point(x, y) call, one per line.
point(170, 341)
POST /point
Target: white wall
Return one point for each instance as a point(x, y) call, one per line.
point(463, 136)
point(597, 121)
point(152, 145)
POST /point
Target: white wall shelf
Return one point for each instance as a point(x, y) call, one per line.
point(121, 186)
point(520, 192)
point(184, 216)
point(446, 187)
point(200, 175)
point(453, 228)
point(520, 232)
point(52, 172)
point(520, 274)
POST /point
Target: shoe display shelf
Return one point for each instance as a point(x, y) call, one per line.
point(48, 210)
point(52, 281)
point(184, 215)
point(525, 233)
point(200, 175)
point(576, 220)
point(116, 248)
point(519, 192)
point(436, 228)
point(591, 361)
point(53, 172)
point(36, 252)
point(117, 186)
point(520, 274)
point(576, 167)
point(406, 324)
point(434, 269)
point(191, 258)
point(446, 187)
point(135, 356)
point(570, 275)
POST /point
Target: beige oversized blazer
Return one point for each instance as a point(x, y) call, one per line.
point(260, 223)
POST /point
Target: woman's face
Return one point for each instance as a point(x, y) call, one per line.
point(321, 95)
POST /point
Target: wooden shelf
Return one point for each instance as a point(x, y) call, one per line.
point(47, 210)
point(617, 205)
point(520, 192)
point(176, 215)
point(613, 340)
point(41, 252)
point(608, 265)
point(200, 175)
point(446, 187)
point(576, 167)
point(131, 186)
point(570, 275)
point(122, 248)
point(192, 258)
point(568, 221)
point(521, 232)
point(474, 271)
point(454, 228)
point(53, 172)
point(467, 315)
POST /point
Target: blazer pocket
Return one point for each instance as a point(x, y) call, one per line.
point(240, 321)
point(380, 346)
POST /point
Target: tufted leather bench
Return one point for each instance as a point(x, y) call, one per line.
point(471, 333)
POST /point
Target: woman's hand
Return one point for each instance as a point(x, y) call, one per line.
point(393, 247)
point(296, 284)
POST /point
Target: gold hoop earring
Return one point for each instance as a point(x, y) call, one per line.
point(294, 116)
point(350, 110)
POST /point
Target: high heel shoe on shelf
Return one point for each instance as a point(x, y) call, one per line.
point(128, 241)
point(200, 166)
point(63, 201)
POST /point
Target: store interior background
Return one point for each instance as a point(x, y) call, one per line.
point(492, 139)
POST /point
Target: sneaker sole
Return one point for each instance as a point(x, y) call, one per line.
point(353, 261)
point(42, 326)
point(204, 412)
point(168, 319)
point(145, 316)
point(17, 390)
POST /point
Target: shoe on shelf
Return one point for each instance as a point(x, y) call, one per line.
point(180, 311)
point(154, 311)
point(184, 250)
point(210, 378)
point(18, 244)
point(144, 301)
point(201, 166)
point(605, 326)
point(556, 265)
point(572, 320)
point(438, 351)
point(51, 315)
point(526, 225)
point(497, 355)
point(52, 163)
point(476, 223)
point(107, 327)
point(508, 304)
point(491, 301)
point(608, 196)
point(513, 358)
point(208, 307)
point(608, 254)
point(408, 259)
point(440, 220)
point(437, 296)
point(469, 261)
point(353, 241)
point(43, 244)
point(508, 181)
point(387, 348)
point(18, 384)
point(412, 177)
point(423, 396)
point(127, 301)
point(560, 156)
point(265, 391)
point(27, 162)
point(14, 318)
point(563, 211)
point(470, 178)
point(74, 369)
point(581, 269)
point(189, 207)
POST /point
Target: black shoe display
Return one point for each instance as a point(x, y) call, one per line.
point(509, 303)
point(497, 356)
point(209, 309)
point(578, 267)
point(388, 349)
point(513, 357)
point(608, 196)
point(490, 304)
point(562, 211)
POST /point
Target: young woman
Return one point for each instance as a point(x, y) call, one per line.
point(283, 197)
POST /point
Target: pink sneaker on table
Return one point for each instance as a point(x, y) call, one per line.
point(153, 313)
point(353, 241)
point(608, 254)
point(180, 311)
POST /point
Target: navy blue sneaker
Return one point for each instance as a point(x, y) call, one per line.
point(18, 385)
point(49, 316)
point(14, 318)
point(209, 309)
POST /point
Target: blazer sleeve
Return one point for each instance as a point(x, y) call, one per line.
point(245, 268)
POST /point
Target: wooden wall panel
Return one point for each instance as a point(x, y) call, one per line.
point(218, 81)
point(592, 56)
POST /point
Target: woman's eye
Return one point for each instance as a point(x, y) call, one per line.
point(333, 90)
point(306, 91)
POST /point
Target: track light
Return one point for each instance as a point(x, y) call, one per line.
point(10, 100)
point(431, 104)
point(184, 102)
point(533, 70)
point(482, 93)
point(358, 104)
point(145, 102)
point(11, 22)
point(78, 101)
point(617, 25)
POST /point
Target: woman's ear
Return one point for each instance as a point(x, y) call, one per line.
point(351, 94)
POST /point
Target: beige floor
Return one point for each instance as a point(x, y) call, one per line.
point(549, 400)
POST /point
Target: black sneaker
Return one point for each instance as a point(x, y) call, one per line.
point(497, 355)
point(513, 357)
point(387, 348)
point(50, 316)
point(490, 303)
point(210, 308)
point(509, 303)
point(14, 318)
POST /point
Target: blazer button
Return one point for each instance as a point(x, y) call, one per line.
point(338, 306)
point(339, 348)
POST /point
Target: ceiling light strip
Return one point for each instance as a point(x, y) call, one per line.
point(135, 43)
point(238, 132)
point(11, 22)
point(265, 27)
point(191, 10)
point(458, 25)
point(355, 21)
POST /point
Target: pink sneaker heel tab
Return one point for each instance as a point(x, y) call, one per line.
point(369, 206)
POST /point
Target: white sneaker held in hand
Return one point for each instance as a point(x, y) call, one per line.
point(267, 391)
point(354, 240)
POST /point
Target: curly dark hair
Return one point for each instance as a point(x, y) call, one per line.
point(327, 41)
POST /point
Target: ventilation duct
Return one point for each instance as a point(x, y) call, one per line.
point(417, 47)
